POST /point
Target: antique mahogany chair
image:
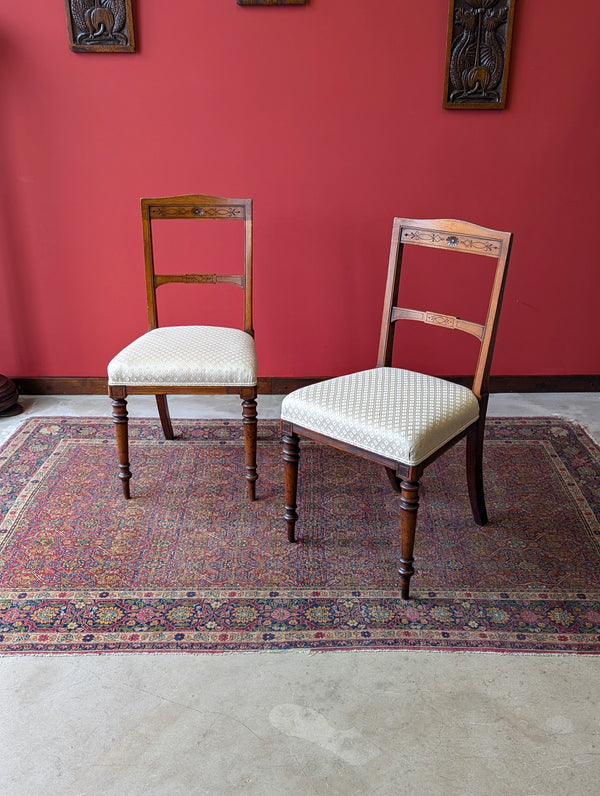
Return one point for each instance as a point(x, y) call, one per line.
point(189, 359)
point(399, 418)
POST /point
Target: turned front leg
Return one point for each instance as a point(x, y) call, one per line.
point(291, 456)
point(119, 414)
point(250, 427)
point(409, 505)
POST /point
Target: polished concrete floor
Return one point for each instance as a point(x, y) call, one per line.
point(369, 722)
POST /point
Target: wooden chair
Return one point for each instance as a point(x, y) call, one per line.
point(189, 359)
point(402, 419)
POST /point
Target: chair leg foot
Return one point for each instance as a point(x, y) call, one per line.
point(119, 414)
point(291, 456)
point(250, 427)
point(405, 586)
point(409, 505)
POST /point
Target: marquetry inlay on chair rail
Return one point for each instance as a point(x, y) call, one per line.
point(198, 210)
point(210, 279)
point(472, 244)
point(437, 319)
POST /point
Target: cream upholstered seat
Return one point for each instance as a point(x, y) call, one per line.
point(400, 418)
point(394, 413)
point(191, 359)
point(187, 356)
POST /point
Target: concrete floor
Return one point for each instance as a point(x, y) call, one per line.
point(368, 722)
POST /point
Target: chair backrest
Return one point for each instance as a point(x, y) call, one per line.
point(198, 208)
point(453, 236)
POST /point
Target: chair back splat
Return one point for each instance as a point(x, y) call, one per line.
point(456, 236)
point(197, 208)
point(198, 359)
point(406, 419)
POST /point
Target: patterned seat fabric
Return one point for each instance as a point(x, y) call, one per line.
point(198, 356)
point(401, 415)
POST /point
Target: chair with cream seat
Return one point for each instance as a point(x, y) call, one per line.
point(189, 359)
point(399, 418)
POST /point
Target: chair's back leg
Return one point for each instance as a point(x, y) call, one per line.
point(409, 506)
point(475, 476)
point(291, 456)
point(475, 471)
point(250, 428)
point(119, 414)
point(393, 478)
point(165, 416)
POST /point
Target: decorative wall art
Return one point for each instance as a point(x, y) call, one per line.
point(271, 2)
point(100, 26)
point(478, 53)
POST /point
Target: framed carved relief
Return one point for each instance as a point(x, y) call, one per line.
point(478, 53)
point(271, 2)
point(100, 26)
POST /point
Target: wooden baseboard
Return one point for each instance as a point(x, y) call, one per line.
point(279, 385)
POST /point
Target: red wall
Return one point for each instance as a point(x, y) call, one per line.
point(329, 115)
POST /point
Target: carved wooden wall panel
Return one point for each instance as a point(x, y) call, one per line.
point(478, 53)
point(100, 25)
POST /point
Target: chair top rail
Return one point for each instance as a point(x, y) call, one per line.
point(197, 206)
point(452, 235)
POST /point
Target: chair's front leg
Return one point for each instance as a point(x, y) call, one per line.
point(119, 414)
point(291, 456)
point(250, 426)
point(409, 505)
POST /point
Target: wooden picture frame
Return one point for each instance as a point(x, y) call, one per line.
point(271, 2)
point(99, 26)
point(478, 53)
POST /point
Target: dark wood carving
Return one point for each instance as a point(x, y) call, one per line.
point(271, 2)
point(478, 53)
point(100, 26)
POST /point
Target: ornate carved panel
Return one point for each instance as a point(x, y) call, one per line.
point(100, 25)
point(197, 211)
point(464, 243)
point(478, 53)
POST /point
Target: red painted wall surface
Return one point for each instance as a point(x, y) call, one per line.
point(330, 116)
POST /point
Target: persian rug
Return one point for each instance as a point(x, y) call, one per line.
point(190, 565)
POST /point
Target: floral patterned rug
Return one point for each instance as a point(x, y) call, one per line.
point(190, 565)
